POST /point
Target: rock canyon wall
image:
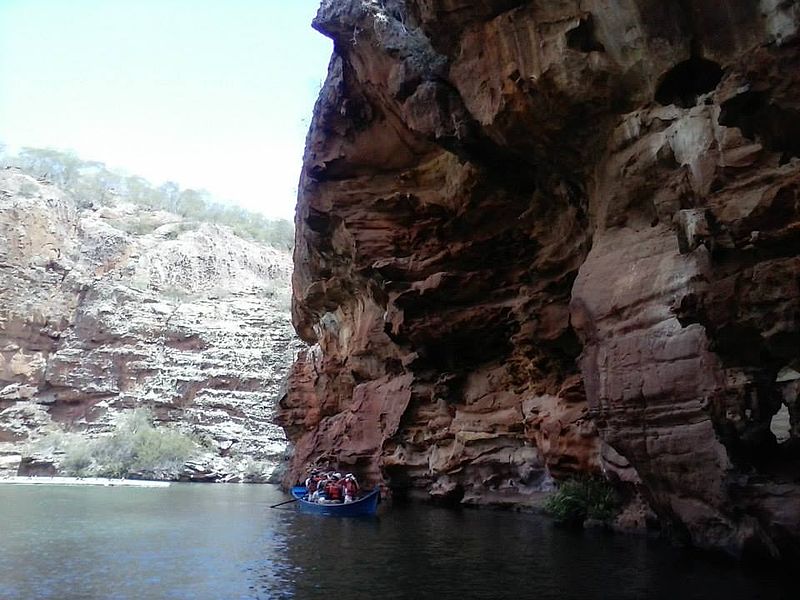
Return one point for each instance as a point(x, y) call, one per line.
point(540, 238)
point(106, 309)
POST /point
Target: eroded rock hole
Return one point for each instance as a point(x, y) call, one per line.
point(775, 127)
point(466, 349)
point(583, 39)
point(318, 222)
point(687, 81)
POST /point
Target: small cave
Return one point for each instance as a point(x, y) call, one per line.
point(757, 425)
point(504, 169)
point(684, 83)
point(318, 222)
point(467, 349)
point(774, 127)
point(399, 482)
point(582, 38)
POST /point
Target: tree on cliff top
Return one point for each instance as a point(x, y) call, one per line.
point(92, 182)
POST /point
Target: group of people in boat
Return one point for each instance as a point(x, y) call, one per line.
point(331, 487)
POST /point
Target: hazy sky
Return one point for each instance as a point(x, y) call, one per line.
point(209, 93)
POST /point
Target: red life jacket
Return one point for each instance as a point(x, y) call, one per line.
point(334, 490)
point(350, 487)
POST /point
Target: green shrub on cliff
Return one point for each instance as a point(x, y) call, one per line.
point(77, 458)
point(135, 446)
point(255, 471)
point(580, 499)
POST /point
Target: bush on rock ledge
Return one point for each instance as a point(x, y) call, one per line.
point(579, 500)
point(135, 446)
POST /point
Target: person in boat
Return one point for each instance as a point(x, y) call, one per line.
point(319, 493)
point(309, 482)
point(312, 481)
point(350, 486)
point(334, 491)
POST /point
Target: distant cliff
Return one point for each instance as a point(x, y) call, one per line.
point(104, 309)
point(541, 239)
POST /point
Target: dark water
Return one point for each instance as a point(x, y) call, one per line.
point(207, 541)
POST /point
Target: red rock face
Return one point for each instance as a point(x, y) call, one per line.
point(538, 238)
point(687, 320)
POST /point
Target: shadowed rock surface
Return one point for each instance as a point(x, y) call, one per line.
point(183, 318)
point(538, 239)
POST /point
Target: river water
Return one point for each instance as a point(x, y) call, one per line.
point(224, 542)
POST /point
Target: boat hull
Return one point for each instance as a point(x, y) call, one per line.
point(365, 506)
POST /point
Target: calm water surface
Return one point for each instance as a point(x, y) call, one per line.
point(217, 541)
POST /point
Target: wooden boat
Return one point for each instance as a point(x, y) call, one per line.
point(366, 505)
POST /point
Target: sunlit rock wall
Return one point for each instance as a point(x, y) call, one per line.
point(107, 309)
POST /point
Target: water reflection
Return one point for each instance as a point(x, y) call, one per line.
point(207, 541)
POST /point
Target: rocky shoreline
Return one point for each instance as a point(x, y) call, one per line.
point(88, 481)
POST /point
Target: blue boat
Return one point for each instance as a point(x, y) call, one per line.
point(365, 506)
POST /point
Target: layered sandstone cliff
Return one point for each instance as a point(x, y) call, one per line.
point(107, 309)
point(541, 238)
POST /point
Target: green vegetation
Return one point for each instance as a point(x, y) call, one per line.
point(135, 446)
point(580, 499)
point(92, 183)
point(255, 471)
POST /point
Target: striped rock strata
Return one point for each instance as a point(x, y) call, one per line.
point(185, 319)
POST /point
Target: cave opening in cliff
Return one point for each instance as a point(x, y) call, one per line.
point(583, 39)
point(467, 349)
point(687, 81)
point(775, 127)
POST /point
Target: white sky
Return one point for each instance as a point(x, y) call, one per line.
point(208, 93)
